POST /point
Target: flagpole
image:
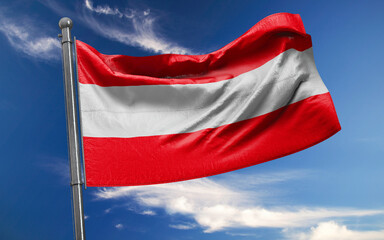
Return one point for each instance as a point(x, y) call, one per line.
point(65, 25)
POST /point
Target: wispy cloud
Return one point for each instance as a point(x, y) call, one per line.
point(184, 226)
point(242, 234)
point(119, 226)
point(369, 140)
point(132, 27)
point(334, 231)
point(57, 166)
point(28, 40)
point(215, 206)
point(103, 9)
point(148, 212)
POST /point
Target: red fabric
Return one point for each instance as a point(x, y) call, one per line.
point(167, 158)
point(264, 41)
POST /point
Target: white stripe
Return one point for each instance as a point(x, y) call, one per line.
point(132, 111)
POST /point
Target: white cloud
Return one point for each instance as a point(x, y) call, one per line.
point(148, 212)
point(108, 210)
point(333, 231)
point(119, 226)
point(242, 234)
point(132, 27)
point(29, 40)
point(235, 180)
point(135, 28)
point(103, 9)
point(147, 12)
point(86, 217)
point(215, 206)
point(184, 226)
point(56, 165)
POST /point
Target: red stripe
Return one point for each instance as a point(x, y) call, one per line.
point(264, 41)
point(168, 158)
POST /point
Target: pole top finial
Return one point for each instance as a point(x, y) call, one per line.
point(65, 23)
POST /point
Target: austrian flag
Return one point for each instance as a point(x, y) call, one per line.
point(170, 117)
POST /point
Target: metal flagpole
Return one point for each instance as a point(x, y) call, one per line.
point(65, 25)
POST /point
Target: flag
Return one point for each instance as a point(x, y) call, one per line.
point(170, 117)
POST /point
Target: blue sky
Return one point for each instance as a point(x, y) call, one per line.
point(333, 190)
